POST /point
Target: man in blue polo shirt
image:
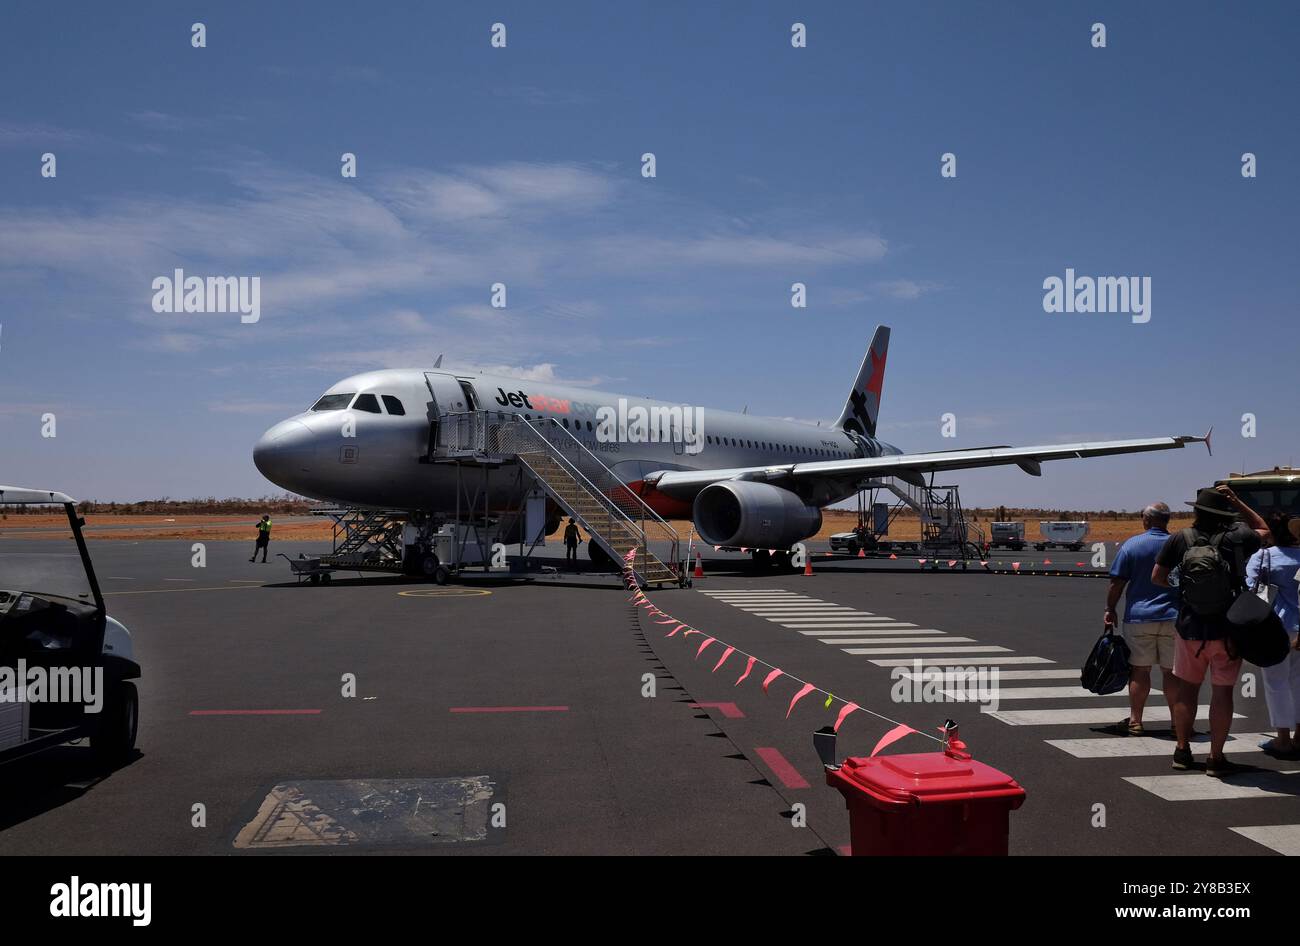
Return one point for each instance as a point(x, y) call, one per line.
point(1149, 613)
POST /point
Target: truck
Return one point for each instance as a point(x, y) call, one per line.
point(66, 667)
point(1007, 535)
point(1061, 535)
point(1268, 491)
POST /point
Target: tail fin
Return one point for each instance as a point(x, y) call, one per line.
point(863, 406)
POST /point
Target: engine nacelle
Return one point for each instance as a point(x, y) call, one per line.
point(757, 515)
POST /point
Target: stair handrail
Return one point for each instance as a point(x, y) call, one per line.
point(617, 489)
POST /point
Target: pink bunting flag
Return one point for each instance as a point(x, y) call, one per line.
point(848, 708)
point(804, 691)
point(1015, 566)
point(1047, 561)
point(952, 562)
point(920, 561)
point(706, 643)
point(669, 621)
point(748, 667)
point(725, 654)
point(770, 677)
point(895, 734)
point(675, 630)
point(689, 631)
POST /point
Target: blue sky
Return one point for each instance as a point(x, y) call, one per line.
point(775, 165)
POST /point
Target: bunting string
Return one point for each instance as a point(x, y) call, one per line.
point(639, 598)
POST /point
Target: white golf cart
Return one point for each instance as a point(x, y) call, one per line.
point(53, 627)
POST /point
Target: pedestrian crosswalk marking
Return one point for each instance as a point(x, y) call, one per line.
point(1283, 838)
point(1078, 716)
point(958, 661)
point(1043, 693)
point(829, 623)
point(876, 629)
point(896, 640)
point(1195, 786)
point(986, 648)
point(1117, 747)
point(1005, 674)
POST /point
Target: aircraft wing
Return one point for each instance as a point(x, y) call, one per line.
point(684, 484)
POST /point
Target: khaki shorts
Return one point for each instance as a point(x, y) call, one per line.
point(1150, 644)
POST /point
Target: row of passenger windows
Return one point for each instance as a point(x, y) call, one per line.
point(721, 441)
point(777, 447)
point(364, 402)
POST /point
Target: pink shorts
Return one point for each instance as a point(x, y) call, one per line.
point(1191, 667)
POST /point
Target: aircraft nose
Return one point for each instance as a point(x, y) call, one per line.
point(285, 453)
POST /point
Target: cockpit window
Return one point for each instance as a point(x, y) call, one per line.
point(394, 405)
point(333, 402)
point(368, 403)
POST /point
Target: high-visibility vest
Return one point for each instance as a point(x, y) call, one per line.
point(264, 527)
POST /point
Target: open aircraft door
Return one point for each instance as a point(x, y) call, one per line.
point(448, 395)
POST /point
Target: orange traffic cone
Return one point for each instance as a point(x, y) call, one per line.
point(807, 566)
point(699, 566)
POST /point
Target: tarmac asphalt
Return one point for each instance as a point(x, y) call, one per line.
point(553, 716)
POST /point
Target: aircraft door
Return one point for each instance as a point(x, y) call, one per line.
point(446, 396)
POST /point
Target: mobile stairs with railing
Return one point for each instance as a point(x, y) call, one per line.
point(616, 518)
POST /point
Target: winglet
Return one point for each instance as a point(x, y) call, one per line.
point(1206, 438)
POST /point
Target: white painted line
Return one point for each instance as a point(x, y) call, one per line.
point(1195, 786)
point(745, 591)
point(862, 617)
point(1283, 838)
point(924, 650)
point(1085, 715)
point(120, 578)
point(813, 609)
point(898, 640)
point(1007, 674)
point(1117, 747)
point(868, 629)
point(180, 579)
point(1054, 693)
point(957, 661)
point(830, 623)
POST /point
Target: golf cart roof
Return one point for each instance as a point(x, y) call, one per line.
point(16, 494)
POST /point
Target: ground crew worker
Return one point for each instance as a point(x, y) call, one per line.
point(571, 540)
point(263, 538)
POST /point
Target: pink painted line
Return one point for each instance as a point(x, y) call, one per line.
point(255, 712)
point(509, 709)
point(729, 710)
point(782, 769)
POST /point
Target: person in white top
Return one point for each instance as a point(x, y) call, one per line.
point(1280, 565)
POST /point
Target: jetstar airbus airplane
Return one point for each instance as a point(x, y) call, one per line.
point(745, 481)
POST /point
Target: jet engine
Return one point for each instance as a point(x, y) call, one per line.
point(757, 515)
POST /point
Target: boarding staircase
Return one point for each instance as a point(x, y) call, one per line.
point(575, 478)
point(365, 537)
point(943, 520)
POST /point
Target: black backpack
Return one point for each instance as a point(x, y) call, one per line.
point(1107, 667)
point(1206, 581)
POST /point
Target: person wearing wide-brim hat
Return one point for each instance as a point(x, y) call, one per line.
point(1223, 521)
